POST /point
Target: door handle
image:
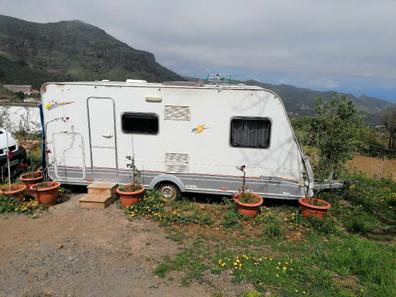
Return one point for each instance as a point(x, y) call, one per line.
point(107, 135)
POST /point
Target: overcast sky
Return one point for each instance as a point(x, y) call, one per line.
point(344, 45)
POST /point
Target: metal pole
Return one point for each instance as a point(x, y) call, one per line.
point(8, 160)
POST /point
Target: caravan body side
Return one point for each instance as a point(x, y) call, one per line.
point(192, 147)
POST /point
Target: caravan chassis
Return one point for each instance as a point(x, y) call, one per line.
point(273, 188)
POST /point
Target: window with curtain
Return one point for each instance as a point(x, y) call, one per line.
point(250, 132)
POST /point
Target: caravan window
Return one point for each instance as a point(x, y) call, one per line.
point(139, 123)
point(250, 132)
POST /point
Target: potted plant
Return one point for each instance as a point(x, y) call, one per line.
point(31, 178)
point(248, 203)
point(313, 207)
point(131, 193)
point(16, 190)
point(46, 192)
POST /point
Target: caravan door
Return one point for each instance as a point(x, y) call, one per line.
point(102, 138)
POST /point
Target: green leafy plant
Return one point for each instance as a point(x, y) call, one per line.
point(248, 198)
point(9, 204)
point(334, 128)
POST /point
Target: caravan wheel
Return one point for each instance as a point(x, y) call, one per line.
point(169, 191)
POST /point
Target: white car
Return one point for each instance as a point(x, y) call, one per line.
point(16, 153)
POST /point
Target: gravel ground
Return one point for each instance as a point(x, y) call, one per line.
point(69, 251)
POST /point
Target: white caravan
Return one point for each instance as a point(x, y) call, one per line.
point(184, 136)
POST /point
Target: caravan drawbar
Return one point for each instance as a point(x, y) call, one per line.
point(184, 137)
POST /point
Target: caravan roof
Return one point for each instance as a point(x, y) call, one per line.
point(170, 84)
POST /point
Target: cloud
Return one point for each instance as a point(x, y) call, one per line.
point(314, 43)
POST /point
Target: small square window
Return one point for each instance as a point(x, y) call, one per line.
point(139, 123)
point(250, 132)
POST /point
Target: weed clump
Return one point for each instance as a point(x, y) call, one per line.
point(272, 225)
point(231, 216)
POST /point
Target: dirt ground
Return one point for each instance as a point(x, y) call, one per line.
point(69, 251)
point(373, 166)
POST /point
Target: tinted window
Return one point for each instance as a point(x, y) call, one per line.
point(250, 132)
point(139, 123)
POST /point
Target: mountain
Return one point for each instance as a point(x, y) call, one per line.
point(34, 53)
point(301, 101)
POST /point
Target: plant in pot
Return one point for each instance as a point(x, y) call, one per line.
point(31, 178)
point(15, 190)
point(248, 203)
point(46, 192)
point(313, 207)
point(131, 193)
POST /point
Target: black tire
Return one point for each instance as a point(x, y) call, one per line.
point(169, 191)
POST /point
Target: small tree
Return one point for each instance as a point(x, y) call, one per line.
point(334, 131)
point(389, 122)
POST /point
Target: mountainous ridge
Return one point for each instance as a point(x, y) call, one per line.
point(70, 50)
point(301, 100)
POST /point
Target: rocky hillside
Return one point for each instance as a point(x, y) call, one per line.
point(33, 53)
point(301, 101)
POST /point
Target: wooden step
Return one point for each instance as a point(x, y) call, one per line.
point(95, 201)
point(102, 189)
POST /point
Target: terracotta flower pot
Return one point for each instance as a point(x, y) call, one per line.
point(130, 198)
point(248, 209)
point(313, 207)
point(16, 190)
point(46, 192)
point(31, 178)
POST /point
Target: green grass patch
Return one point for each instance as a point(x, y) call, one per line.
point(190, 261)
point(373, 263)
point(349, 253)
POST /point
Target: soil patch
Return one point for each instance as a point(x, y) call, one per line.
point(69, 251)
point(373, 167)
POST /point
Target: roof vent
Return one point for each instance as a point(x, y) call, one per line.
point(184, 83)
point(136, 81)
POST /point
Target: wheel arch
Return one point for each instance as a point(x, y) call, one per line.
point(167, 178)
